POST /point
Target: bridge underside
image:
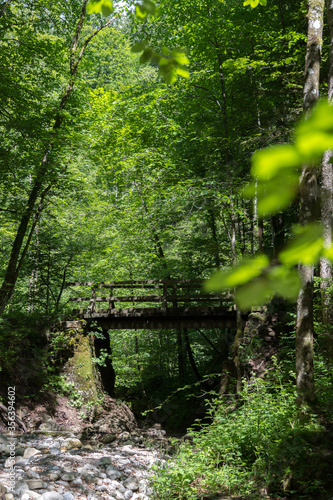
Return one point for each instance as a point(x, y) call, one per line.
point(151, 319)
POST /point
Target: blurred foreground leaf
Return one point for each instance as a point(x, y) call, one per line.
point(268, 162)
point(144, 8)
point(255, 3)
point(274, 195)
point(103, 6)
point(247, 270)
point(278, 280)
point(305, 248)
point(314, 135)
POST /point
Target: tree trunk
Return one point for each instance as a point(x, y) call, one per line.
point(107, 372)
point(308, 198)
point(180, 357)
point(278, 233)
point(190, 355)
point(327, 204)
point(18, 254)
point(258, 223)
point(304, 323)
point(326, 219)
point(212, 224)
point(34, 275)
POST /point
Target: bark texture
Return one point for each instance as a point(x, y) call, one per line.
point(308, 200)
point(326, 219)
point(327, 203)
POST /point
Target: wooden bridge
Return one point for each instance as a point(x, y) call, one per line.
point(152, 304)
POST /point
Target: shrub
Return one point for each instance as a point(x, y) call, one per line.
point(260, 445)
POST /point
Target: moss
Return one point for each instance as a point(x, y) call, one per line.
point(80, 371)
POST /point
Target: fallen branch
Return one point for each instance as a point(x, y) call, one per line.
point(19, 421)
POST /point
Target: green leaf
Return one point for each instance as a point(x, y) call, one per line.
point(183, 72)
point(249, 191)
point(149, 6)
point(164, 61)
point(254, 293)
point(267, 163)
point(285, 281)
point(144, 8)
point(306, 246)
point(140, 12)
point(145, 57)
point(314, 135)
point(180, 56)
point(170, 76)
point(328, 253)
point(247, 270)
point(139, 47)
point(276, 195)
point(255, 3)
point(97, 6)
point(165, 51)
point(279, 280)
point(155, 58)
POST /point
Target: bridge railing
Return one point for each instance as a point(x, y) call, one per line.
point(145, 294)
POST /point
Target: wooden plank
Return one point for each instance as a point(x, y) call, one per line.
point(166, 322)
point(156, 298)
point(156, 312)
point(137, 283)
point(79, 299)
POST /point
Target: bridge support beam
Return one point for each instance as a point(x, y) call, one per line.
point(158, 321)
point(106, 370)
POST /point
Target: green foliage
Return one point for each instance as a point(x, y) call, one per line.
point(171, 63)
point(306, 246)
point(59, 384)
point(259, 445)
point(96, 6)
point(277, 172)
point(101, 360)
point(96, 331)
point(248, 269)
point(60, 343)
point(255, 3)
point(257, 282)
point(23, 357)
point(144, 8)
point(276, 168)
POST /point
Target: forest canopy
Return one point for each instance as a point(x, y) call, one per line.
point(175, 140)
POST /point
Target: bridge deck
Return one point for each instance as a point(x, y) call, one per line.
point(179, 304)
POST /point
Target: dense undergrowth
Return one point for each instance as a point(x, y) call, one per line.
point(253, 445)
point(257, 445)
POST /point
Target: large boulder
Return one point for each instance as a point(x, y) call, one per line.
point(113, 419)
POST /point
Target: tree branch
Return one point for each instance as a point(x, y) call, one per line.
point(4, 409)
point(4, 7)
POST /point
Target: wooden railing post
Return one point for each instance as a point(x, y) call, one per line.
point(174, 295)
point(165, 297)
point(111, 302)
point(92, 304)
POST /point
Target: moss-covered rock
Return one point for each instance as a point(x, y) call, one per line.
point(79, 371)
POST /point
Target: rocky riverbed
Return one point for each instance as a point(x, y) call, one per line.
point(59, 466)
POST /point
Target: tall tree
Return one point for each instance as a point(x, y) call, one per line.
point(307, 213)
point(327, 201)
point(45, 172)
